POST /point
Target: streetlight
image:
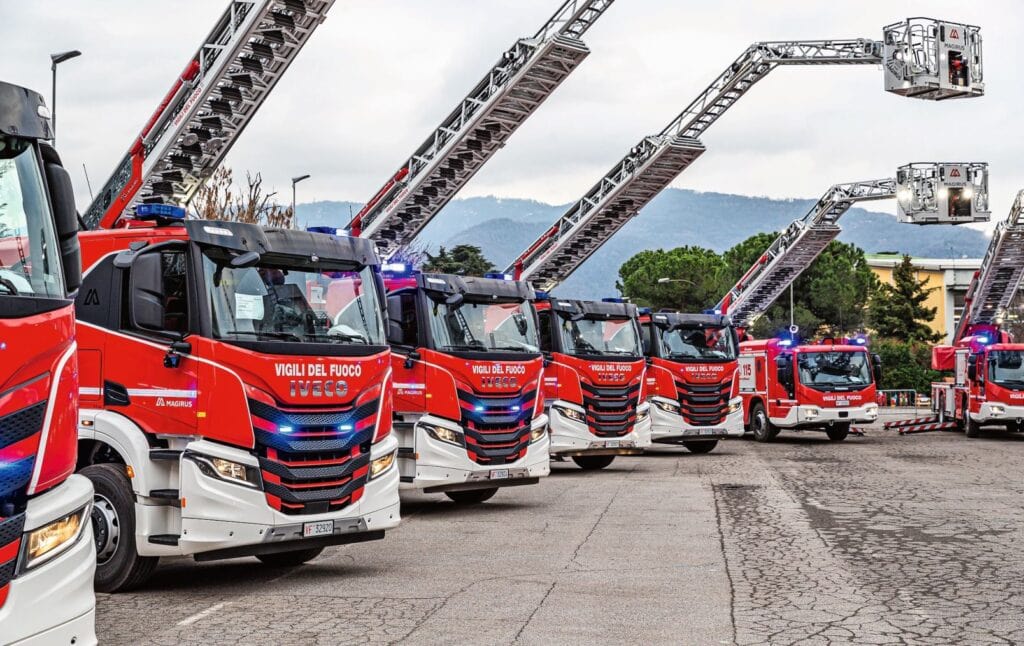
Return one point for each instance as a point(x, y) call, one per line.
point(55, 60)
point(296, 180)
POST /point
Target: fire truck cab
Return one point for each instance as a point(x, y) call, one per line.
point(691, 379)
point(223, 413)
point(469, 411)
point(46, 556)
point(595, 380)
point(988, 383)
point(821, 387)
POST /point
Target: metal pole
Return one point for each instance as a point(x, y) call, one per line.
point(53, 101)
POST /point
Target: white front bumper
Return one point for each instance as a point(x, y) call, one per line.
point(996, 413)
point(219, 515)
point(670, 428)
point(817, 416)
point(574, 437)
point(441, 464)
point(54, 603)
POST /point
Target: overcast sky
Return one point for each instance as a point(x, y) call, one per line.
point(377, 77)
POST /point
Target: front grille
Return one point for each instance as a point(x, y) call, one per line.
point(11, 529)
point(497, 427)
point(704, 404)
point(313, 461)
point(17, 428)
point(611, 412)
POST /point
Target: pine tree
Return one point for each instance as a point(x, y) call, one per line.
point(898, 311)
point(462, 260)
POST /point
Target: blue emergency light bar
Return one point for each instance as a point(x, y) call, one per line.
point(612, 299)
point(331, 231)
point(153, 211)
point(497, 275)
point(396, 268)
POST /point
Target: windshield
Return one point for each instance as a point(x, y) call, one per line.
point(834, 370)
point(1006, 368)
point(617, 337)
point(484, 327)
point(698, 343)
point(294, 300)
point(29, 259)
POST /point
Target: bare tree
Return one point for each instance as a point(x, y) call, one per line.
point(221, 199)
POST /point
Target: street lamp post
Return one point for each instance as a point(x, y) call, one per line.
point(55, 60)
point(296, 180)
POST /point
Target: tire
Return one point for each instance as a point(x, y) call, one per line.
point(293, 558)
point(471, 497)
point(838, 432)
point(760, 425)
point(119, 567)
point(704, 446)
point(592, 462)
point(972, 428)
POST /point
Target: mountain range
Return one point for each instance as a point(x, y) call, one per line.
point(504, 227)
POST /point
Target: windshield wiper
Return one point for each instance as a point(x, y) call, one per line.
point(477, 346)
point(271, 335)
point(9, 286)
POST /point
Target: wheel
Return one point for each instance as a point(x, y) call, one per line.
point(592, 462)
point(293, 558)
point(471, 497)
point(704, 446)
point(118, 564)
point(973, 428)
point(838, 432)
point(762, 428)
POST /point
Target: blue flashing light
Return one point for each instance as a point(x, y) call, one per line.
point(331, 231)
point(541, 295)
point(612, 299)
point(396, 268)
point(497, 275)
point(478, 409)
point(345, 427)
point(983, 339)
point(785, 343)
point(859, 340)
point(644, 310)
point(516, 408)
point(285, 429)
point(151, 211)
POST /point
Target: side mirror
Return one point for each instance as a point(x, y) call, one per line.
point(173, 357)
point(876, 368)
point(146, 304)
point(454, 300)
point(972, 371)
point(65, 219)
point(784, 370)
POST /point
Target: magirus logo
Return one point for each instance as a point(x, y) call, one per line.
point(173, 403)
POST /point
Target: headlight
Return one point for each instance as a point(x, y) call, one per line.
point(642, 415)
point(51, 539)
point(226, 470)
point(735, 407)
point(997, 410)
point(668, 407)
point(443, 434)
point(382, 464)
point(811, 413)
point(571, 413)
point(538, 433)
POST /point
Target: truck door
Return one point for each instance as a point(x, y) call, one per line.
point(142, 377)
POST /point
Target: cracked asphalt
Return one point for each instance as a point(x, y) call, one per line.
point(876, 540)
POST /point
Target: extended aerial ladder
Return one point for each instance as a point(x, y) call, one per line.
point(925, 192)
point(209, 105)
point(524, 76)
point(921, 57)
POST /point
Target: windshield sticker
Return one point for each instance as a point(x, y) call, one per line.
point(249, 306)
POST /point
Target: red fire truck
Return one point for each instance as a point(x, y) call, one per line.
point(46, 558)
point(469, 413)
point(825, 386)
point(595, 380)
point(691, 378)
point(223, 414)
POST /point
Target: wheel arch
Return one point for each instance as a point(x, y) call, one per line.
point(109, 438)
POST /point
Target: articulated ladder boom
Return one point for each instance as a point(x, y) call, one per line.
point(919, 188)
point(209, 106)
point(996, 283)
point(478, 127)
point(922, 58)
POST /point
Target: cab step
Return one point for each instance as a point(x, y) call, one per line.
point(164, 454)
point(165, 539)
point(172, 496)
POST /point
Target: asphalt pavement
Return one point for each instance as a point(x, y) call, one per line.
point(876, 540)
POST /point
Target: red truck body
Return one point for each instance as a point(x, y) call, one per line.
point(820, 387)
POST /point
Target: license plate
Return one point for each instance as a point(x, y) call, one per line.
point(709, 431)
point(320, 528)
point(612, 444)
point(499, 474)
point(842, 402)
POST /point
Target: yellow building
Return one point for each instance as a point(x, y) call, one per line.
point(948, 278)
